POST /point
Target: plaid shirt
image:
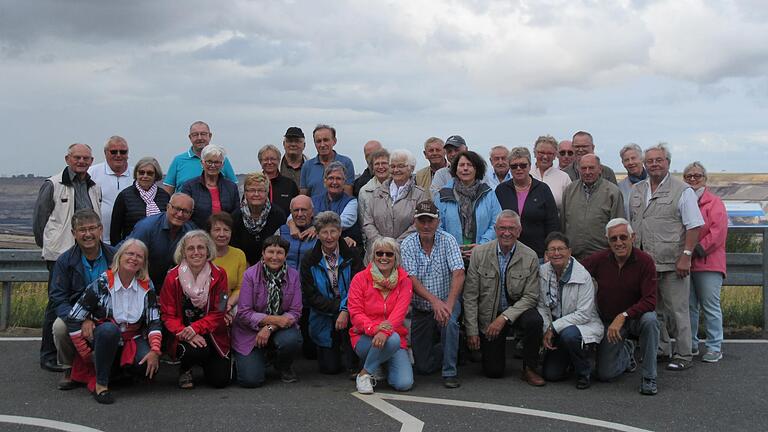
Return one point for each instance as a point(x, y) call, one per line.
point(434, 270)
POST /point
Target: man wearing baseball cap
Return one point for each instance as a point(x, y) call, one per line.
point(293, 143)
point(433, 261)
point(454, 145)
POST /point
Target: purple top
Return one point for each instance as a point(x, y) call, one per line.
point(521, 197)
point(252, 305)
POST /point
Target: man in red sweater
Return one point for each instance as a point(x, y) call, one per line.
point(626, 300)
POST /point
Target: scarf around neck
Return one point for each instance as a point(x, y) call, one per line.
point(466, 197)
point(274, 281)
point(380, 282)
point(149, 198)
point(254, 225)
point(636, 179)
point(196, 288)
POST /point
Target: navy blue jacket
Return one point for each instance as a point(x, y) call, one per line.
point(228, 196)
point(155, 232)
point(68, 280)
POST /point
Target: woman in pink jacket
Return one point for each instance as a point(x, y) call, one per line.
point(378, 300)
point(708, 265)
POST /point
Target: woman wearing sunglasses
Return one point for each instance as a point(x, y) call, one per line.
point(141, 199)
point(378, 300)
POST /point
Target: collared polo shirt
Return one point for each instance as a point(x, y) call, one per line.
point(92, 270)
point(312, 174)
point(187, 165)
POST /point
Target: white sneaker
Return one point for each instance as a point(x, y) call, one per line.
point(364, 385)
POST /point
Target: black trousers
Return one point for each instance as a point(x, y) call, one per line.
point(340, 356)
point(494, 351)
point(47, 347)
point(217, 369)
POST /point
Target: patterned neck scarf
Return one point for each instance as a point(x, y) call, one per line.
point(466, 196)
point(254, 225)
point(380, 282)
point(274, 289)
point(196, 288)
point(149, 198)
point(333, 268)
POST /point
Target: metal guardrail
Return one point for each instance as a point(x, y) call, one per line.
point(747, 269)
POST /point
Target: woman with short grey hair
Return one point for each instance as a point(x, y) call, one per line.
point(390, 213)
point(212, 191)
point(141, 199)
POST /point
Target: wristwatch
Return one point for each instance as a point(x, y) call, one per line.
point(687, 252)
point(625, 314)
point(271, 328)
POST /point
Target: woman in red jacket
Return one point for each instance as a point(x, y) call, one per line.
point(378, 300)
point(708, 265)
point(193, 302)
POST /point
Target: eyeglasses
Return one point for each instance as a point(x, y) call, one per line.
point(557, 250)
point(693, 176)
point(505, 229)
point(268, 159)
point(620, 237)
point(213, 163)
point(256, 191)
point(518, 166)
point(566, 153)
point(87, 229)
point(385, 254)
point(199, 134)
point(122, 152)
point(181, 210)
point(145, 173)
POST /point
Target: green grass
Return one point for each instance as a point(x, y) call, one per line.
point(742, 306)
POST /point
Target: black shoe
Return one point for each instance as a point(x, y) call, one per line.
point(104, 397)
point(451, 382)
point(288, 375)
point(66, 383)
point(583, 383)
point(51, 365)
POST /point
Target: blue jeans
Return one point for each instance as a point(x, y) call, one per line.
point(613, 358)
point(428, 356)
point(106, 346)
point(705, 295)
point(251, 368)
point(400, 373)
point(570, 350)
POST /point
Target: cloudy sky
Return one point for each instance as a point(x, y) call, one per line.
point(690, 73)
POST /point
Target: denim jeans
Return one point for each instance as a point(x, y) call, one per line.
point(251, 368)
point(613, 358)
point(47, 346)
point(705, 295)
point(399, 370)
point(429, 353)
point(106, 346)
point(570, 350)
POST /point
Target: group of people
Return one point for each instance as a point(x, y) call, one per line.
point(379, 275)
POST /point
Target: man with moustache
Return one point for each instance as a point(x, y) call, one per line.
point(368, 149)
point(59, 198)
point(74, 270)
point(313, 170)
point(583, 145)
point(434, 153)
point(187, 165)
point(113, 175)
point(632, 159)
point(293, 159)
point(498, 157)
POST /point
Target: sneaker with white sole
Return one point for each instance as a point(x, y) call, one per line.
point(364, 384)
point(712, 357)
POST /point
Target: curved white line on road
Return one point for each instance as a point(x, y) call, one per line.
point(50, 424)
point(411, 427)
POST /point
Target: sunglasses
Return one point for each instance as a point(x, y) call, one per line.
point(145, 172)
point(518, 166)
point(385, 254)
point(620, 237)
point(122, 152)
point(566, 152)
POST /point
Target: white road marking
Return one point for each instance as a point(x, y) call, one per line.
point(20, 339)
point(50, 424)
point(412, 424)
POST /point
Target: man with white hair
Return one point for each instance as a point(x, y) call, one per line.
point(626, 302)
point(500, 171)
point(186, 165)
point(632, 159)
point(113, 175)
point(665, 214)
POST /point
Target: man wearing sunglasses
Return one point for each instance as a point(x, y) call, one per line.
point(626, 302)
point(565, 154)
point(112, 176)
point(583, 145)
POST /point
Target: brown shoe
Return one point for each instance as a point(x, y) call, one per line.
point(531, 377)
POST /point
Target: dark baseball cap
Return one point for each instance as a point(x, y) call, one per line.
point(426, 208)
point(294, 132)
point(454, 141)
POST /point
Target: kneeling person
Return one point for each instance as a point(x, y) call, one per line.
point(500, 294)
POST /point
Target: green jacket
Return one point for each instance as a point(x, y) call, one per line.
point(481, 286)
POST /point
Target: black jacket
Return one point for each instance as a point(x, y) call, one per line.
point(129, 208)
point(68, 279)
point(539, 215)
point(282, 190)
point(251, 244)
point(350, 257)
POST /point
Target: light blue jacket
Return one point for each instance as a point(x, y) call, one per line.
point(486, 209)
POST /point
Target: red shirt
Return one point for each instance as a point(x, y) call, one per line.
point(215, 200)
point(630, 289)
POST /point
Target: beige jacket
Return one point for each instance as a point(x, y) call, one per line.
point(481, 286)
point(391, 219)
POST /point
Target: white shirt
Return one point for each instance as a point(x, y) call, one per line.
point(127, 302)
point(688, 205)
point(111, 184)
point(395, 191)
point(493, 181)
point(556, 179)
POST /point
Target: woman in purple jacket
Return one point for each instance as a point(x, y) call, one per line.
point(268, 313)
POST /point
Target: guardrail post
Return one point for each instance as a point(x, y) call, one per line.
point(765, 283)
point(5, 310)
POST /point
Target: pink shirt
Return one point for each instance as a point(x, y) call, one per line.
point(521, 197)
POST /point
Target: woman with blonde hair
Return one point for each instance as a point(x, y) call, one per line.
point(257, 218)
